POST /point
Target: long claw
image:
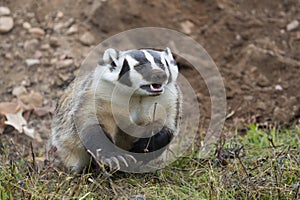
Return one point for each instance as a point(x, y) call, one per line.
point(116, 161)
point(131, 157)
point(108, 161)
point(121, 158)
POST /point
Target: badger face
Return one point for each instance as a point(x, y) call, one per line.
point(146, 71)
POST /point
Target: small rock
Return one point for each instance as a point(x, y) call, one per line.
point(31, 62)
point(26, 25)
point(68, 23)
point(4, 11)
point(37, 31)
point(63, 77)
point(297, 36)
point(261, 105)
point(19, 90)
point(187, 26)
point(8, 55)
point(249, 98)
point(58, 26)
point(31, 45)
point(53, 41)
point(263, 81)
point(6, 24)
point(38, 55)
point(278, 87)
point(59, 14)
point(64, 63)
point(45, 46)
point(87, 39)
point(292, 25)
point(73, 29)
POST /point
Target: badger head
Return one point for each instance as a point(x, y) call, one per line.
point(146, 71)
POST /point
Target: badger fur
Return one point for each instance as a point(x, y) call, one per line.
point(144, 78)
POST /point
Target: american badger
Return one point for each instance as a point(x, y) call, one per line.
point(125, 85)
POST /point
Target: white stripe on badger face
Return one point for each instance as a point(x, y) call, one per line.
point(151, 60)
point(167, 69)
point(131, 61)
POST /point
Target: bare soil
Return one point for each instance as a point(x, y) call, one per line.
point(257, 56)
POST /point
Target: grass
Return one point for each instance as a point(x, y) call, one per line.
point(263, 164)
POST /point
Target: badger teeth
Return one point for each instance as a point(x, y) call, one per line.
point(156, 87)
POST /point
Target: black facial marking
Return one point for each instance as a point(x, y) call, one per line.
point(157, 58)
point(124, 75)
point(170, 74)
point(140, 57)
point(113, 66)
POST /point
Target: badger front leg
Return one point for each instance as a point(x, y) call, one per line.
point(102, 149)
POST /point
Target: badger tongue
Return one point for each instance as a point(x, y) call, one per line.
point(156, 89)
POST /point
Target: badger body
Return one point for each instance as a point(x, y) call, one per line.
point(134, 88)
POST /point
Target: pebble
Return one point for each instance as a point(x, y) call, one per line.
point(297, 37)
point(87, 39)
point(238, 37)
point(19, 90)
point(261, 105)
point(292, 25)
point(58, 26)
point(4, 11)
point(31, 45)
point(26, 25)
point(278, 87)
point(64, 63)
point(45, 46)
point(38, 54)
point(263, 81)
point(73, 29)
point(68, 23)
point(59, 14)
point(6, 24)
point(53, 41)
point(31, 62)
point(187, 26)
point(37, 31)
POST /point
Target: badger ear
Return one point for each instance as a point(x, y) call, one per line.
point(111, 56)
point(169, 55)
point(172, 66)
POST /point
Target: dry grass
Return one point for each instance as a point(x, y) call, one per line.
point(260, 165)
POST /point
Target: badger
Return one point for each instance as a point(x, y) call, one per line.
point(127, 89)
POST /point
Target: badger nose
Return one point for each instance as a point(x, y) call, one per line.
point(158, 76)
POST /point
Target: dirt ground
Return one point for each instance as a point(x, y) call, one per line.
point(252, 43)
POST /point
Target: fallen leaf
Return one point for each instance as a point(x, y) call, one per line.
point(16, 120)
point(9, 107)
point(34, 98)
point(31, 133)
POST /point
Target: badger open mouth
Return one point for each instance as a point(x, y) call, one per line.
point(153, 88)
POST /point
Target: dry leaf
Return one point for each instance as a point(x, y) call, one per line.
point(9, 107)
point(34, 98)
point(16, 120)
